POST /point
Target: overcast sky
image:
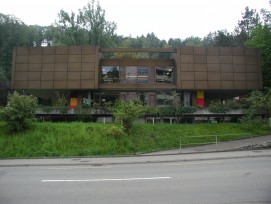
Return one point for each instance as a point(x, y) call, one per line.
point(167, 19)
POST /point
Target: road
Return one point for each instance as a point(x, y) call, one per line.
point(246, 180)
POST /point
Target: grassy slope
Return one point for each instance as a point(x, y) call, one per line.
point(87, 139)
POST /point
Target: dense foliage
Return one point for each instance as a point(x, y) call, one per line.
point(19, 112)
point(126, 112)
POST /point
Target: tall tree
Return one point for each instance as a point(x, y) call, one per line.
point(13, 32)
point(174, 42)
point(223, 39)
point(69, 30)
point(261, 38)
point(250, 19)
point(192, 41)
point(100, 32)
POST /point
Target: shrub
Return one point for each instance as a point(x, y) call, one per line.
point(218, 107)
point(20, 111)
point(115, 131)
point(127, 111)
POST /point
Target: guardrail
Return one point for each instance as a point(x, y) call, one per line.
point(201, 142)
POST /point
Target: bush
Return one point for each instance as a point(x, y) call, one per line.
point(19, 112)
point(218, 107)
point(115, 131)
point(127, 111)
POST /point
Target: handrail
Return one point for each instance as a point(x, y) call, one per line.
point(214, 142)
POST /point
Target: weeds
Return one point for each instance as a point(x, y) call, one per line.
point(89, 139)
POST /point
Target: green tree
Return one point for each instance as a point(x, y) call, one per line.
point(250, 20)
point(260, 102)
point(127, 111)
point(68, 30)
point(174, 42)
point(100, 31)
point(20, 111)
point(13, 32)
point(192, 41)
point(261, 38)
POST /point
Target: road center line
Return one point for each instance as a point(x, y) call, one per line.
point(97, 180)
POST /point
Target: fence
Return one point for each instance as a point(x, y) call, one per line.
point(222, 142)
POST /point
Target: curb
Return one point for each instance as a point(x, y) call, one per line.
point(102, 161)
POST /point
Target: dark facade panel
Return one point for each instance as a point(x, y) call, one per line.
point(188, 76)
point(187, 50)
point(34, 67)
point(187, 67)
point(239, 60)
point(48, 67)
point(213, 67)
point(190, 85)
point(61, 67)
point(240, 76)
point(238, 51)
point(240, 84)
point(34, 75)
point(214, 76)
point(47, 84)
point(201, 67)
point(35, 51)
point(227, 85)
point(22, 59)
point(213, 59)
point(225, 51)
point(49, 51)
point(187, 59)
point(35, 59)
point(201, 76)
point(227, 76)
point(22, 51)
point(22, 67)
point(213, 51)
point(214, 84)
point(200, 59)
point(226, 68)
point(201, 85)
point(200, 50)
point(63, 50)
point(33, 84)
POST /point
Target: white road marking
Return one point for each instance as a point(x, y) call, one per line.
point(97, 180)
point(193, 163)
point(78, 167)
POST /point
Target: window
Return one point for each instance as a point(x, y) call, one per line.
point(136, 75)
point(110, 74)
point(164, 74)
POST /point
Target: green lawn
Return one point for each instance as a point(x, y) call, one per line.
point(88, 139)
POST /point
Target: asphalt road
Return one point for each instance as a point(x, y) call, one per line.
point(246, 180)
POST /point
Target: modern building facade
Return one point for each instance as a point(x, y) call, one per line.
point(96, 75)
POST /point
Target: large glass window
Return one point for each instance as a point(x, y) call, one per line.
point(164, 74)
point(143, 75)
point(137, 75)
point(110, 74)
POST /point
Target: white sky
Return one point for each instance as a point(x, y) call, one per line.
point(166, 19)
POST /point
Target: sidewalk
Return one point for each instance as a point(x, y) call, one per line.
point(155, 157)
point(220, 147)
